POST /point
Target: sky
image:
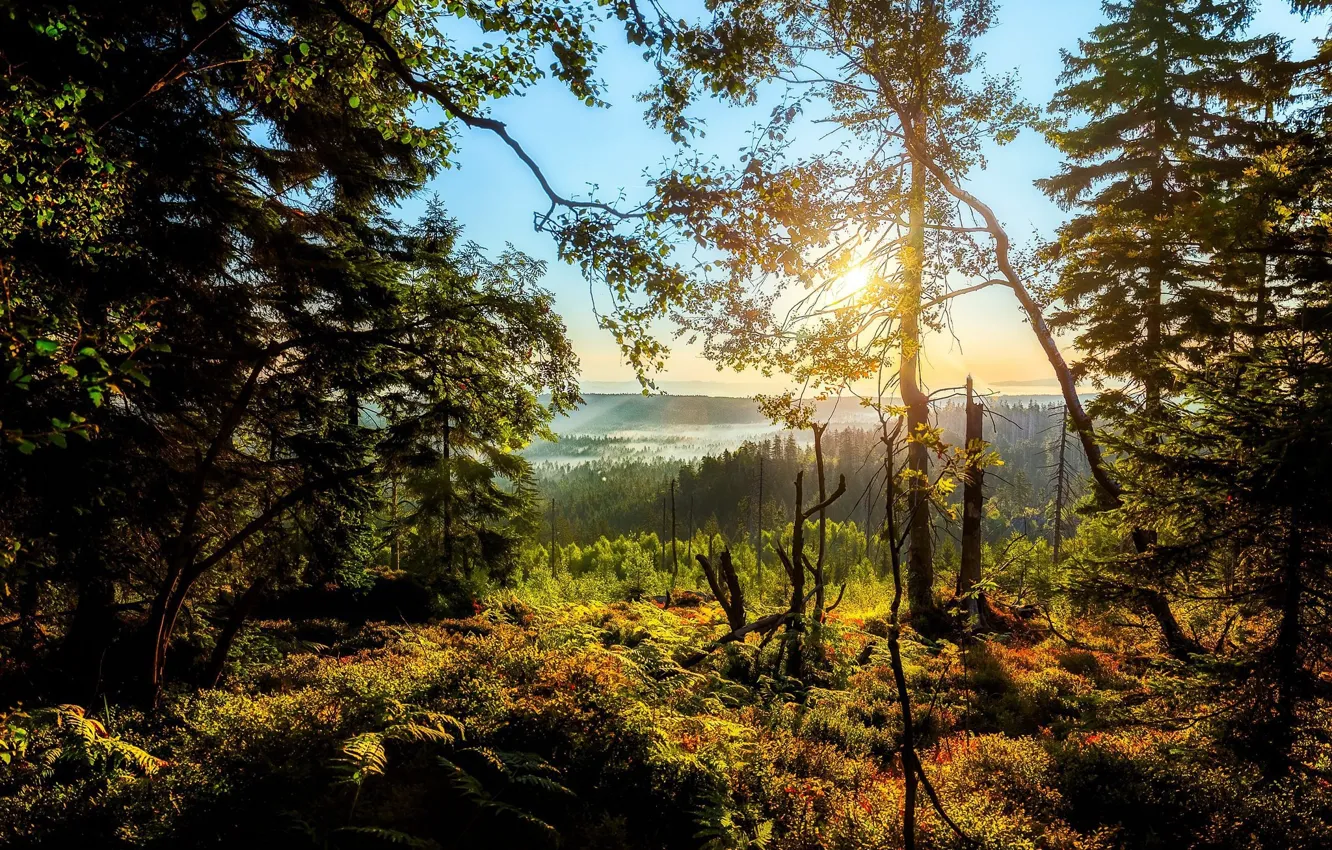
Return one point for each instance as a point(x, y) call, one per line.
point(494, 196)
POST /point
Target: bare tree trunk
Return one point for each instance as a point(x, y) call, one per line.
point(1061, 484)
point(758, 524)
point(689, 547)
point(819, 578)
point(552, 538)
point(894, 649)
point(726, 587)
point(972, 502)
point(795, 569)
point(675, 554)
point(670, 591)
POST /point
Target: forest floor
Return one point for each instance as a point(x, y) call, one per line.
point(575, 725)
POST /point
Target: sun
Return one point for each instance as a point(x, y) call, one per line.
point(852, 280)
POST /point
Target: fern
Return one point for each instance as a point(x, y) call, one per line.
point(363, 756)
point(511, 768)
point(81, 740)
point(724, 827)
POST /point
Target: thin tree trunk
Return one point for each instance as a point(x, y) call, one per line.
point(29, 598)
point(675, 553)
point(448, 494)
point(819, 578)
point(795, 626)
point(689, 547)
point(395, 547)
point(240, 612)
point(1061, 483)
point(972, 501)
point(895, 652)
point(183, 572)
point(93, 627)
point(758, 524)
point(1287, 650)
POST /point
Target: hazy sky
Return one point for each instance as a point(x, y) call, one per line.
point(494, 196)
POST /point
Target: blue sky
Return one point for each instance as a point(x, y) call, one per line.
point(494, 196)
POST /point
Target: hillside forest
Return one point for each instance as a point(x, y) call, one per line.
point(300, 544)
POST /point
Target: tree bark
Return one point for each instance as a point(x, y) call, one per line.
point(920, 565)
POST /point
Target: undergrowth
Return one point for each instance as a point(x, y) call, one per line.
point(576, 726)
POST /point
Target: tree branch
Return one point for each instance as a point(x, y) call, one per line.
point(478, 122)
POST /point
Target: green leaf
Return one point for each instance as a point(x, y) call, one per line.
point(46, 346)
point(199, 9)
point(57, 439)
point(354, 102)
point(305, 49)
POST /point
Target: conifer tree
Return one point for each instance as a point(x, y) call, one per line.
point(1160, 108)
point(1242, 470)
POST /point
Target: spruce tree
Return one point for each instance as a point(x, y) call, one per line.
point(1162, 107)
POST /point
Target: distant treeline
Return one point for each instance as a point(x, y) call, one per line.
point(721, 492)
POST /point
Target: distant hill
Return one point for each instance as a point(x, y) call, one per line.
point(689, 415)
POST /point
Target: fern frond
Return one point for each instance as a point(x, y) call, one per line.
point(418, 732)
point(143, 760)
point(465, 783)
point(363, 755)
